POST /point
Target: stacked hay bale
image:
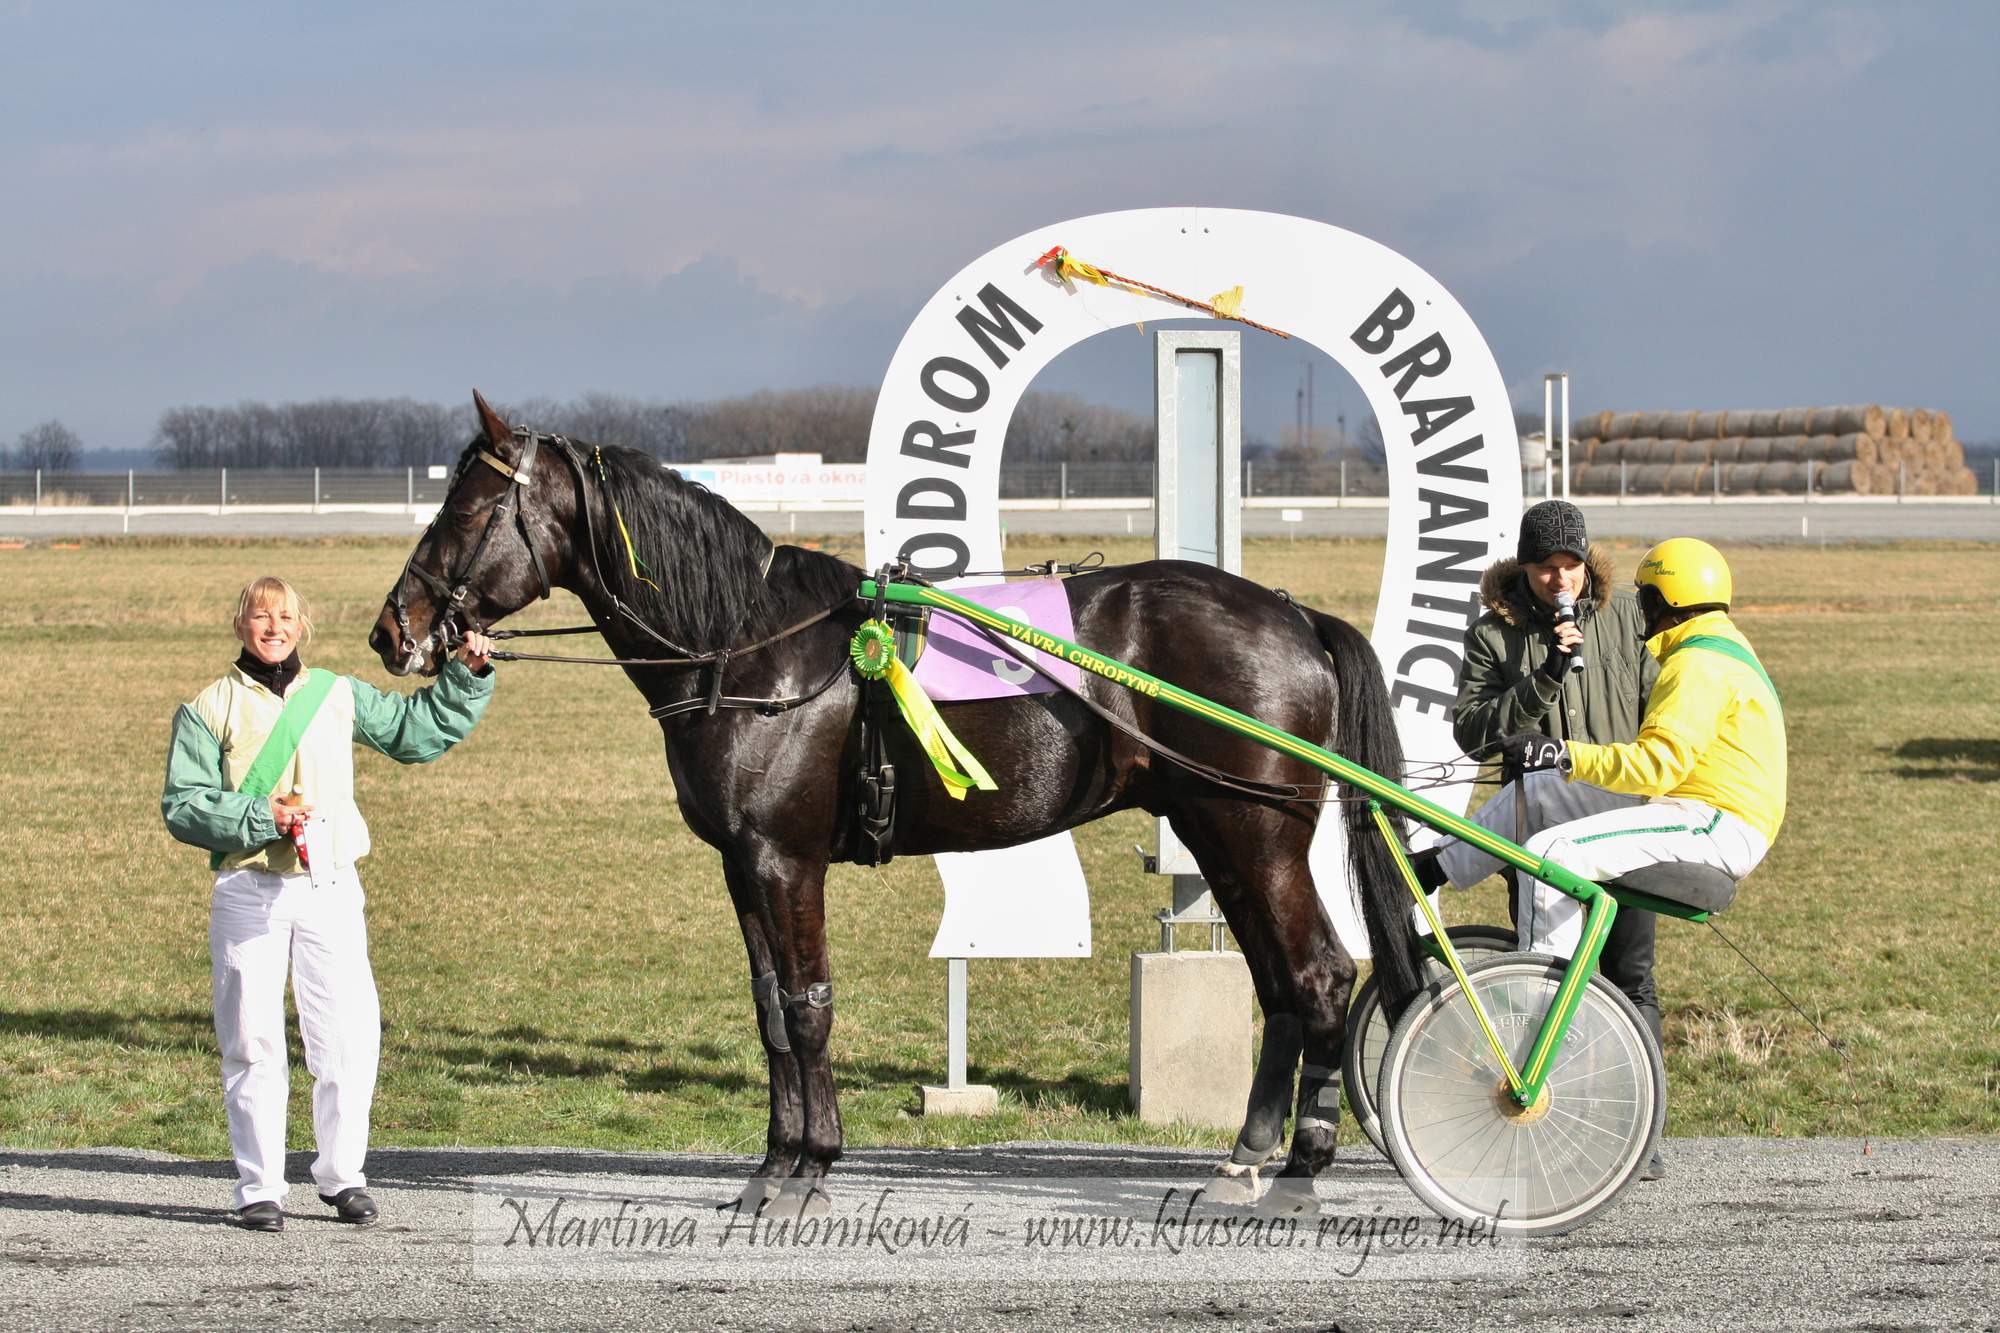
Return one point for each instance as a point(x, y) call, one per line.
point(1858, 450)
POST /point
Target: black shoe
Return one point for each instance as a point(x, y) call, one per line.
point(352, 1205)
point(1655, 1169)
point(264, 1216)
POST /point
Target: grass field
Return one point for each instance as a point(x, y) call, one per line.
point(559, 964)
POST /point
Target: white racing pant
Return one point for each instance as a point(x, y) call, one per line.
point(260, 925)
point(1600, 835)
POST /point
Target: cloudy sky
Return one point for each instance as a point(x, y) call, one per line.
point(1685, 206)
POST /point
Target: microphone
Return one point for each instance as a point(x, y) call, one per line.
point(1566, 615)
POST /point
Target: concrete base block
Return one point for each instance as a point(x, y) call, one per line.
point(1191, 1056)
point(976, 1099)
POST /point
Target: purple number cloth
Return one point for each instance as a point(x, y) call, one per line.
point(960, 663)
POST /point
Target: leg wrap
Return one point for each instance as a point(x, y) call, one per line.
point(1263, 1130)
point(1319, 1099)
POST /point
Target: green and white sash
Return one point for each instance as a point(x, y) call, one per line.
point(301, 706)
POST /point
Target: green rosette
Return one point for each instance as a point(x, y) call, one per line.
point(873, 649)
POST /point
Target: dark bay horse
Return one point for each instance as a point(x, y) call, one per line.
point(768, 775)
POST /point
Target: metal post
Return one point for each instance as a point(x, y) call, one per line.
point(1809, 477)
point(315, 490)
point(1249, 477)
point(1565, 397)
point(1062, 485)
point(1197, 515)
point(1621, 482)
point(954, 1009)
point(222, 492)
point(410, 488)
point(1548, 433)
point(38, 492)
point(1901, 479)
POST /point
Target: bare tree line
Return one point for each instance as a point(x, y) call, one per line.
point(49, 447)
point(329, 432)
point(829, 420)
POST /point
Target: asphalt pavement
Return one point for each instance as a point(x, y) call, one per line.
point(1743, 1234)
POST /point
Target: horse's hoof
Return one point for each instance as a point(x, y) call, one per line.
point(1234, 1183)
point(801, 1200)
point(759, 1192)
point(1289, 1196)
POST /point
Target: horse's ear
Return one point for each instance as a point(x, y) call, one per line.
point(491, 422)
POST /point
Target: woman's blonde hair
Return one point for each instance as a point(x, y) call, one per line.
point(259, 593)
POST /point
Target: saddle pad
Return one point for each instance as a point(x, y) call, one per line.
point(960, 663)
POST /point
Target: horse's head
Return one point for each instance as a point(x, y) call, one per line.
point(496, 542)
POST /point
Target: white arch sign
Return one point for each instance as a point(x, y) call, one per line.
point(934, 460)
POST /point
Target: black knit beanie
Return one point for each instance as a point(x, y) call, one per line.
point(1549, 527)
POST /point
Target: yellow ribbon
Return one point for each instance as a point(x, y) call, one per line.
point(1229, 304)
point(936, 738)
point(1071, 267)
point(631, 555)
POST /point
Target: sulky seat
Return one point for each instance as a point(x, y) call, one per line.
point(1675, 888)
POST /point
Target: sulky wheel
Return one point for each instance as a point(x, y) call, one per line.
point(1470, 1151)
point(1368, 1026)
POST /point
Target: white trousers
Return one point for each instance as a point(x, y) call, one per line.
point(1600, 835)
point(261, 925)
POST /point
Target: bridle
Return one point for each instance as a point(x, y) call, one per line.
point(453, 588)
point(447, 629)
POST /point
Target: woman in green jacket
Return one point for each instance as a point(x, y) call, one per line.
point(260, 773)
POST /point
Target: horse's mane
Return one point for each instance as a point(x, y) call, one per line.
point(706, 558)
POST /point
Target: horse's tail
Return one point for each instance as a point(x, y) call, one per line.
point(1365, 732)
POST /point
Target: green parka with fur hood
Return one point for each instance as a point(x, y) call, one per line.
point(1503, 692)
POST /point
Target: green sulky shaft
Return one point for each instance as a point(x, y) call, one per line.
point(1525, 1084)
point(1388, 792)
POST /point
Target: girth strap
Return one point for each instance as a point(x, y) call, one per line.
point(875, 784)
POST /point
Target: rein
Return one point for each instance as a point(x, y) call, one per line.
point(697, 660)
point(455, 589)
point(1282, 793)
point(1046, 569)
point(1279, 793)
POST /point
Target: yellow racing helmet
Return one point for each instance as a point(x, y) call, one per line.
point(1687, 571)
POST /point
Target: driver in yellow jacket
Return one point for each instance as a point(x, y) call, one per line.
point(1704, 782)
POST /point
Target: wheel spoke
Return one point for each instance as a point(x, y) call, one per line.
point(1591, 1125)
point(1466, 1151)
